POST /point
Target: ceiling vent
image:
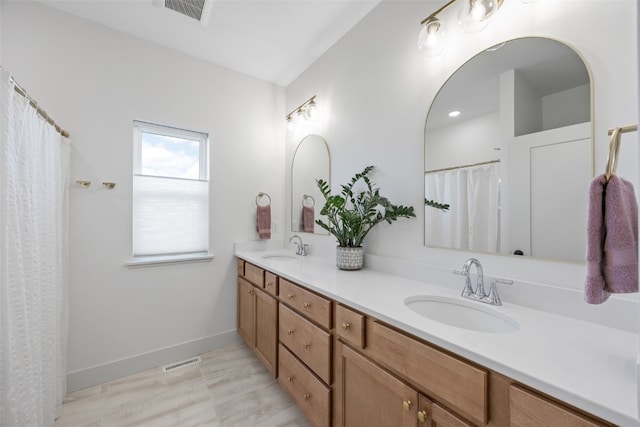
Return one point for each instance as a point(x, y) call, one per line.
point(194, 9)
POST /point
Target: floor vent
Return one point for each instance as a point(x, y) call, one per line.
point(182, 364)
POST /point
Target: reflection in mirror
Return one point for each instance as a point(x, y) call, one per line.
point(514, 163)
point(311, 161)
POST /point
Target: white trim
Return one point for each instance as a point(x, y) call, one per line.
point(151, 261)
point(120, 368)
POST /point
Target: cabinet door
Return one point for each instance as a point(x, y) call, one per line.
point(431, 414)
point(246, 319)
point(266, 329)
point(370, 396)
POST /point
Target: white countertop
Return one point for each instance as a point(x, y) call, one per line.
point(587, 365)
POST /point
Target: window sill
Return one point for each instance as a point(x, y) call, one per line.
point(152, 261)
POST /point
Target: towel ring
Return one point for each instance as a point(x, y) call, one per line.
point(261, 194)
point(304, 199)
point(614, 150)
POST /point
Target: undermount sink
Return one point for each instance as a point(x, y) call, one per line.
point(461, 313)
point(280, 257)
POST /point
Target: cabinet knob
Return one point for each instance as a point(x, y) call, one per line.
point(406, 405)
point(290, 379)
point(307, 304)
point(422, 416)
point(289, 331)
point(307, 396)
point(346, 326)
point(307, 345)
point(291, 295)
point(269, 284)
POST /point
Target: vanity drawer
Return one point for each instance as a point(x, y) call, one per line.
point(240, 264)
point(313, 306)
point(254, 274)
point(271, 283)
point(311, 395)
point(350, 326)
point(460, 385)
point(307, 341)
point(528, 410)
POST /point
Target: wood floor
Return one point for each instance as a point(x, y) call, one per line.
point(228, 388)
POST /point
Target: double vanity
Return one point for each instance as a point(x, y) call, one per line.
point(367, 348)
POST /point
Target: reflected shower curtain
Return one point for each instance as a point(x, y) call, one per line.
point(34, 168)
point(472, 221)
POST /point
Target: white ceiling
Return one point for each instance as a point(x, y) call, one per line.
point(274, 40)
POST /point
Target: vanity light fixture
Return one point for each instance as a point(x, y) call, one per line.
point(473, 16)
point(304, 111)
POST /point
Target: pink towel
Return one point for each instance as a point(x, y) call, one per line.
point(612, 239)
point(263, 219)
point(308, 219)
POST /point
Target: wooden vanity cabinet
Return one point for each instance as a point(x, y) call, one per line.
point(346, 369)
point(257, 320)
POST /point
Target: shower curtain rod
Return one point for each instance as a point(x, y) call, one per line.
point(41, 112)
point(462, 167)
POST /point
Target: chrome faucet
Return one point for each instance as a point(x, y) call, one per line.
point(301, 249)
point(468, 292)
point(479, 294)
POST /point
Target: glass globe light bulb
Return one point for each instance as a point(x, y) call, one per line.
point(474, 14)
point(432, 37)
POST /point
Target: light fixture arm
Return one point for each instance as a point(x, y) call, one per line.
point(435, 14)
point(302, 107)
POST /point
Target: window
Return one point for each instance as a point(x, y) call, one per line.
point(170, 193)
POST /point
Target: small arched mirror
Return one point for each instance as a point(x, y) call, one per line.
point(509, 147)
point(311, 162)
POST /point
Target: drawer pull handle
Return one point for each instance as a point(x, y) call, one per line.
point(307, 345)
point(422, 416)
point(346, 326)
point(291, 295)
point(406, 405)
point(290, 331)
point(307, 304)
point(290, 379)
point(307, 396)
point(269, 284)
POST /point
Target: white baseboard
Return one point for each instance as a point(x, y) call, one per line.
point(109, 371)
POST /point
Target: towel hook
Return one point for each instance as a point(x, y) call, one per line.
point(304, 199)
point(614, 150)
point(261, 194)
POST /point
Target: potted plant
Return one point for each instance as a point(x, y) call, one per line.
point(351, 214)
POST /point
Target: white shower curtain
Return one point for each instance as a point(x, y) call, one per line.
point(472, 221)
point(34, 168)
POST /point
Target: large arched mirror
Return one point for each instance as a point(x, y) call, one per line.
point(509, 147)
point(311, 161)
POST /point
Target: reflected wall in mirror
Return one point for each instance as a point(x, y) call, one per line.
point(515, 162)
point(311, 161)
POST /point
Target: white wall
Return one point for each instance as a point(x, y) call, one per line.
point(95, 82)
point(374, 89)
